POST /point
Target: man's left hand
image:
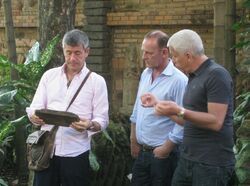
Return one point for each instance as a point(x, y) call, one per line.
point(161, 152)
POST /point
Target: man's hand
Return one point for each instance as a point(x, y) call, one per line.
point(164, 150)
point(81, 125)
point(167, 108)
point(161, 152)
point(135, 148)
point(148, 100)
point(36, 120)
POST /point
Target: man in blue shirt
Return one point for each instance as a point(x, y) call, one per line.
point(154, 138)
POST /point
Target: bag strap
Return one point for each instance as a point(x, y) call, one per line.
point(54, 129)
point(78, 90)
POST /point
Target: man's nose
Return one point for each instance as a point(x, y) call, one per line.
point(72, 57)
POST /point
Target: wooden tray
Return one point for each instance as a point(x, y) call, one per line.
point(54, 117)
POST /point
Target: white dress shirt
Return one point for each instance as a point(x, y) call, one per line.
point(91, 103)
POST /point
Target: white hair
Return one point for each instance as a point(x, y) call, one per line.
point(186, 41)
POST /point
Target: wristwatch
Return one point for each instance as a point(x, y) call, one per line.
point(181, 113)
point(91, 125)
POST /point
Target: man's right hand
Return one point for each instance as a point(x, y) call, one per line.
point(148, 100)
point(36, 120)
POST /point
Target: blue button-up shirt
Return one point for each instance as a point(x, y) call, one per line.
point(151, 129)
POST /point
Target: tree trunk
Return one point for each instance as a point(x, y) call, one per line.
point(20, 133)
point(55, 17)
point(10, 36)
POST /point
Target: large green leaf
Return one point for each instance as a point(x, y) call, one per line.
point(3, 183)
point(20, 121)
point(7, 127)
point(93, 161)
point(107, 136)
point(7, 88)
point(242, 166)
point(4, 62)
point(7, 97)
point(49, 51)
point(243, 132)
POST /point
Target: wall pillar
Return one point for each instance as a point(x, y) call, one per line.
point(99, 35)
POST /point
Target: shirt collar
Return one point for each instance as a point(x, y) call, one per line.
point(201, 68)
point(83, 71)
point(169, 69)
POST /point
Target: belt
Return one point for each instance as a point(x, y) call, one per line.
point(146, 148)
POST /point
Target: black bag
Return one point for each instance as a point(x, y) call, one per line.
point(40, 146)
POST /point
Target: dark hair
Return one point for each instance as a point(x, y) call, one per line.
point(75, 37)
point(162, 38)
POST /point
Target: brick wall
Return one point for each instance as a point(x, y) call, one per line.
point(127, 22)
point(25, 19)
point(131, 20)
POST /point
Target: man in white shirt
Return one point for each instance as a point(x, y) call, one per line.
point(70, 163)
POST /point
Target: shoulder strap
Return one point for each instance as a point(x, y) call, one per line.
point(78, 90)
point(55, 128)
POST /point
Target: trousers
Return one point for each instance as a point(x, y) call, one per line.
point(151, 171)
point(65, 171)
point(189, 173)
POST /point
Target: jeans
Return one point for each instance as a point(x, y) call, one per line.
point(189, 173)
point(151, 171)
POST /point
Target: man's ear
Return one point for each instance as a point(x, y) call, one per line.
point(189, 56)
point(87, 50)
point(165, 51)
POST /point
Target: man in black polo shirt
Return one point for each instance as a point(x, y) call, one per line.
point(207, 156)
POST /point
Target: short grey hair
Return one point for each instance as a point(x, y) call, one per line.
point(186, 41)
point(75, 37)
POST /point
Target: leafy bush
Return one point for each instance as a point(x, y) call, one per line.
point(16, 95)
point(112, 149)
point(242, 146)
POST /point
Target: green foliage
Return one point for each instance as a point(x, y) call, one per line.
point(242, 26)
point(241, 113)
point(7, 94)
point(95, 166)
point(19, 92)
point(242, 109)
point(242, 146)
point(112, 149)
point(2, 183)
point(16, 95)
point(8, 127)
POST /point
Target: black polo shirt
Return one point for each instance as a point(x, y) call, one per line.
point(209, 83)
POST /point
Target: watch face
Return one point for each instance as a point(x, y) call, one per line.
point(181, 113)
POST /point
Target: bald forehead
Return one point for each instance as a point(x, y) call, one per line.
point(149, 43)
